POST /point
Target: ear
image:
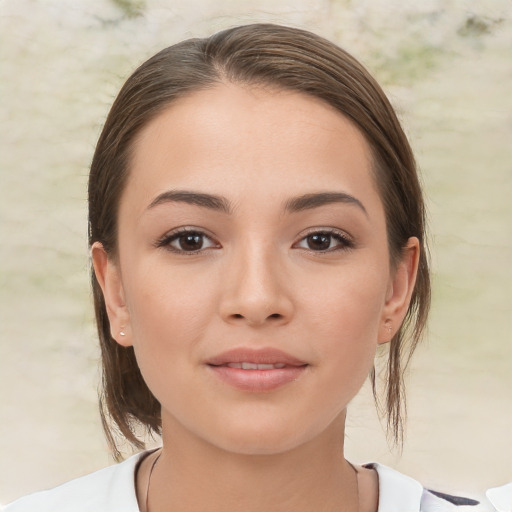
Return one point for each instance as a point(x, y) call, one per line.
point(400, 288)
point(108, 276)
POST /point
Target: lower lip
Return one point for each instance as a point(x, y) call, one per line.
point(258, 381)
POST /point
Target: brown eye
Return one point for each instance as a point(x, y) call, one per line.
point(320, 242)
point(326, 241)
point(189, 242)
point(186, 241)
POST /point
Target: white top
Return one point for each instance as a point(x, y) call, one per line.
point(112, 489)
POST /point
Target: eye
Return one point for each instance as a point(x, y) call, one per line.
point(186, 241)
point(326, 241)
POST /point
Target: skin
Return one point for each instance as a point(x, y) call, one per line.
point(257, 281)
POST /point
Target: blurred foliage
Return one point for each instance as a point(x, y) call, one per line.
point(403, 43)
point(131, 8)
point(478, 25)
point(409, 63)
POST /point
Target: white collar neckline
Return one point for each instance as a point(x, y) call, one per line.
point(397, 490)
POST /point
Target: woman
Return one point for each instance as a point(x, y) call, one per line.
point(257, 231)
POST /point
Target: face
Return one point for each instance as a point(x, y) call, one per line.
point(253, 275)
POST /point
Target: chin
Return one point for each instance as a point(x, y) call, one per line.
point(257, 428)
point(267, 443)
point(261, 438)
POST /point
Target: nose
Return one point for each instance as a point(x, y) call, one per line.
point(256, 288)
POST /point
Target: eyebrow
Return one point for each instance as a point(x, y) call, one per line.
point(314, 200)
point(223, 205)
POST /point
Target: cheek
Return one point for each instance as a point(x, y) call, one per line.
point(349, 299)
point(345, 317)
point(169, 310)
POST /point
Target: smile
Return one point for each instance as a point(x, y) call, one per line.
point(255, 366)
point(256, 370)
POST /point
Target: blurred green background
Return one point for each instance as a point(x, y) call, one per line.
point(446, 66)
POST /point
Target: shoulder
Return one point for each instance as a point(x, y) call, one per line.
point(111, 488)
point(400, 492)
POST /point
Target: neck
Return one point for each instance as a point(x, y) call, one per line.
point(194, 475)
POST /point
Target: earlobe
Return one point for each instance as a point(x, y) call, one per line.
point(400, 289)
point(386, 332)
point(108, 275)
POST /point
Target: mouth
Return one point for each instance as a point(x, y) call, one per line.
point(256, 371)
point(250, 358)
point(255, 366)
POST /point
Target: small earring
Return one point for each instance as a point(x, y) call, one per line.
point(122, 333)
point(389, 326)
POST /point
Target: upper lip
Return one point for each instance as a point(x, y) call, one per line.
point(258, 356)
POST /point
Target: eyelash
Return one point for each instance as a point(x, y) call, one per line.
point(345, 242)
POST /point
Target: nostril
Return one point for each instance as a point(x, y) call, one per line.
point(277, 316)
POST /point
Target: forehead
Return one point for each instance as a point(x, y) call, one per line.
point(246, 140)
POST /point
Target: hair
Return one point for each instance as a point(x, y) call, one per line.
point(283, 58)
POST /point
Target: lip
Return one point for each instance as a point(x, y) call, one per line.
point(258, 356)
point(256, 381)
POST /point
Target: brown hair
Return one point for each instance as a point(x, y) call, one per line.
point(282, 57)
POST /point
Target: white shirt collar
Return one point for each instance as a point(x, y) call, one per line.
point(501, 497)
point(397, 492)
point(113, 488)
